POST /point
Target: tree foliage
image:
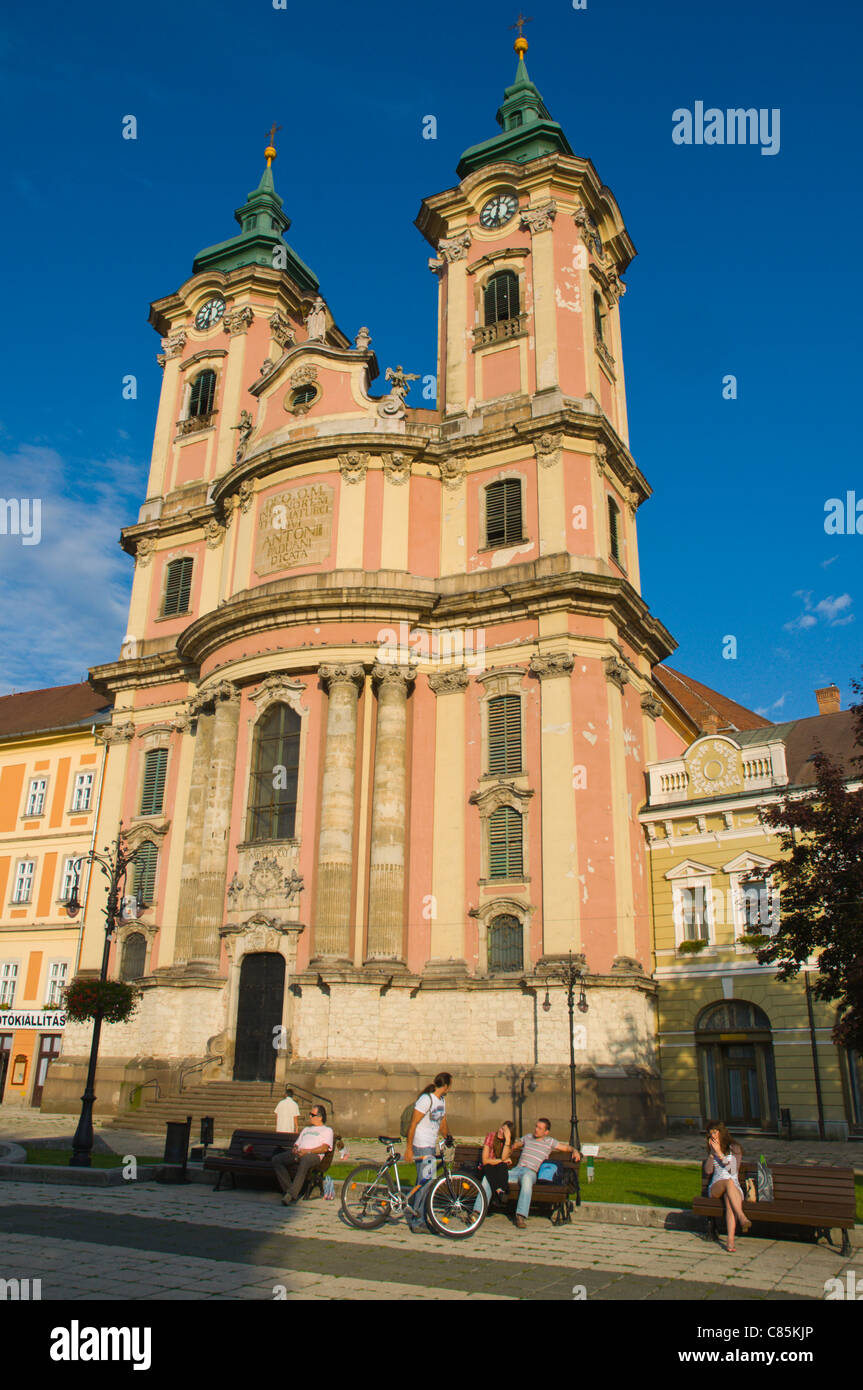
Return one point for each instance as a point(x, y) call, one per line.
point(820, 881)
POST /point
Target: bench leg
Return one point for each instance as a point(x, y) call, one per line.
point(712, 1233)
point(845, 1249)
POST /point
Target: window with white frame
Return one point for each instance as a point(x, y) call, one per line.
point(36, 798)
point(70, 879)
point(8, 981)
point(693, 913)
point(83, 791)
point(754, 896)
point(24, 881)
point(57, 972)
point(694, 905)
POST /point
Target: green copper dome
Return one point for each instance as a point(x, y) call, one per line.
point(527, 130)
point(262, 223)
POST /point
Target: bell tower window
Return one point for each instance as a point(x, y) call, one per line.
point(501, 298)
point(598, 317)
point(614, 537)
point(203, 394)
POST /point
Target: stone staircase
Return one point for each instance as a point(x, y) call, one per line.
point(232, 1104)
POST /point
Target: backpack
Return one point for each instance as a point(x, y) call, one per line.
point(406, 1117)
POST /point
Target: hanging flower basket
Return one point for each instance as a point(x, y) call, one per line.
point(691, 948)
point(114, 1001)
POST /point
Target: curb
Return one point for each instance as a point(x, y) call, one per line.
point(666, 1218)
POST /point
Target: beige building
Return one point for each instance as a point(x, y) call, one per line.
point(735, 1044)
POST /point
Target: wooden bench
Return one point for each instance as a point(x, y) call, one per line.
point(555, 1195)
point(259, 1164)
point(817, 1196)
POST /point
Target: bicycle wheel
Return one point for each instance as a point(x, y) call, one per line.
point(367, 1194)
point(450, 1206)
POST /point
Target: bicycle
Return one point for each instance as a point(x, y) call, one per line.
point(373, 1194)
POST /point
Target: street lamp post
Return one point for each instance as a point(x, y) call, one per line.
point(572, 977)
point(114, 866)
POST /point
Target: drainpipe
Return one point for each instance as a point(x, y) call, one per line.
point(97, 809)
point(814, 1047)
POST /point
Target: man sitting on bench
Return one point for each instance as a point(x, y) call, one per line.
point(313, 1144)
point(535, 1149)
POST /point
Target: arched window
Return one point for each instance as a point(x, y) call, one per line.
point(500, 298)
point(178, 586)
point(732, 1016)
point(144, 865)
point(505, 849)
point(503, 523)
point(504, 734)
point(505, 944)
point(598, 317)
point(614, 530)
point(737, 1076)
point(275, 768)
point(203, 393)
point(134, 955)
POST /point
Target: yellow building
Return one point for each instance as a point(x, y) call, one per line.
point(50, 782)
point(736, 1044)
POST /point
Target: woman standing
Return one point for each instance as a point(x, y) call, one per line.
point(722, 1166)
point(427, 1121)
point(496, 1161)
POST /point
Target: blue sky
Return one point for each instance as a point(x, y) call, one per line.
point(746, 266)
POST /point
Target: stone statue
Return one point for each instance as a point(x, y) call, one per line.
point(244, 429)
point(394, 403)
point(362, 340)
point(316, 319)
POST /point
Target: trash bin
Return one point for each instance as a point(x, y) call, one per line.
point(176, 1151)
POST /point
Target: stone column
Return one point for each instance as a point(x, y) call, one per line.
point(335, 846)
point(184, 948)
point(560, 886)
point(389, 816)
point(215, 834)
point(446, 954)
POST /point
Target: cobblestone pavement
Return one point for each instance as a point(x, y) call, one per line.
point(169, 1243)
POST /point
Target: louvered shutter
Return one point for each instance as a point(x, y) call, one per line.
point(501, 297)
point(145, 872)
point(178, 586)
point(153, 792)
point(614, 528)
point(504, 734)
point(503, 512)
point(504, 843)
point(203, 394)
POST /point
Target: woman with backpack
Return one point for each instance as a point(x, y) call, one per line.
point(426, 1123)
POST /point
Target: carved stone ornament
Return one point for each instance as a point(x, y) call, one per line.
point(354, 466)
point(385, 674)
point(244, 431)
point(332, 675)
point(549, 449)
point(393, 405)
point(452, 472)
point(280, 329)
point(245, 495)
point(259, 933)
point(549, 664)
point(266, 882)
point(209, 694)
point(615, 671)
point(280, 689)
point(651, 706)
point(316, 320)
point(450, 682)
point(182, 723)
point(267, 366)
point(455, 248)
point(117, 733)
point(713, 768)
point(614, 285)
point(149, 830)
point(492, 797)
point(397, 467)
point(304, 376)
point(627, 965)
point(539, 219)
point(362, 340)
point(174, 343)
point(632, 499)
point(214, 532)
point(601, 459)
point(237, 320)
point(144, 551)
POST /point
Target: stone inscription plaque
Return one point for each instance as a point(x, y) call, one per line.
point(294, 528)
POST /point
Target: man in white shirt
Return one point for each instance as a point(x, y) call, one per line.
point(287, 1114)
point(312, 1146)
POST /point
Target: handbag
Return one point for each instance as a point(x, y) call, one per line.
point(763, 1181)
point(750, 1190)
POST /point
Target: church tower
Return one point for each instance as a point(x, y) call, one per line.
point(387, 697)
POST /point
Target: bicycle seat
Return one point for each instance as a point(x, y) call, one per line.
point(383, 1139)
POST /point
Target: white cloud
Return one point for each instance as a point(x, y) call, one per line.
point(833, 611)
point(63, 602)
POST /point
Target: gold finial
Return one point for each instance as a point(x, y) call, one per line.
point(520, 44)
point(270, 151)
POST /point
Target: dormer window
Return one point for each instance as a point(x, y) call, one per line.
point(501, 297)
point(203, 394)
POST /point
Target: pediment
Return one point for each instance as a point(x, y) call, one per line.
point(690, 868)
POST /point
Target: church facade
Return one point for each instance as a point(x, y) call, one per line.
point(389, 690)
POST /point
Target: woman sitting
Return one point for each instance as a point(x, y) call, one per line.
point(722, 1167)
point(496, 1161)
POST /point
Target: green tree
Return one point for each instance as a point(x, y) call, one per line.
point(820, 881)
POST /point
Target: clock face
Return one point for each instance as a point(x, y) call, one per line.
point(499, 209)
point(210, 313)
